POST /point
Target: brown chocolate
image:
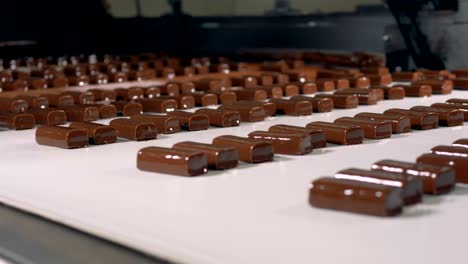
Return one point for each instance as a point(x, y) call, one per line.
point(250, 150)
point(365, 96)
point(103, 95)
point(172, 161)
point(273, 91)
point(438, 86)
point(416, 90)
point(342, 101)
point(356, 196)
point(458, 162)
point(458, 101)
point(301, 76)
point(221, 118)
point(407, 76)
point(49, 116)
point(164, 124)
point(133, 129)
point(447, 117)
point(320, 105)
point(152, 91)
point(18, 85)
point(81, 80)
point(98, 134)
point(338, 133)
point(269, 107)
point(419, 120)
point(226, 97)
point(460, 107)
point(391, 93)
point(128, 108)
point(293, 107)
point(436, 179)
point(400, 124)
point(37, 83)
point(208, 84)
point(184, 87)
point(80, 97)
point(99, 78)
point(34, 102)
point(219, 157)
point(307, 88)
point(460, 83)
point(246, 81)
point(412, 186)
point(383, 79)
point(17, 121)
point(463, 142)
point(325, 85)
point(61, 137)
point(247, 113)
point(205, 99)
point(13, 105)
point(127, 94)
point(373, 129)
point(317, 137)
point(117, 77)
point(285, 143)
point(170, 89)
point(58, 82)
point(250, 94)
point(190, 121)
point(158, 105)
point(183, 101)
point(57, 100)
point(360, 82)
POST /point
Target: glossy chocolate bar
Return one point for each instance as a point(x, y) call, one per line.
point(133, 129)
point(373, 129)
point(219, 158)
point(460, 83)
point(416, 90)
point(407, 76)
point(204, 99)
point(307, 88)
point(391, 93)
point(447, 117)
point(461, 107)
point(12, 105)
point(164, 124)
point(338, 133)
point(17, 121)
point(80, 97)
point(438, 86)
point(226, 97)
point(419, 120)
point(250, 150)
point(412, 186)
point(158, 105)
point(382, 79)
point(293, 107)
point(317, 137)
point(342, 101)
point(285, 143)
point(61, 137)
point(57, 100)
point(34, 102)
point(127, 94)
point(209, 85)
point(98, 134)
point(152, 91)
point(269, 107)
point(291, 89)
point(221, 118)
point(400, 124)
point(183, 101)
point(463, 142)
point(246, 81)
point(325, 85)
point(273, 91)
point(190, 121)
point(458, 162)
point(105, 110)
point(436, 179)
point(103, 94)
point(49, 116)
point(365, 96)
point(250, 94)
point(81, 112)
point(356, 196)
point(172, 161)
point(247, 113)
point(320, 105)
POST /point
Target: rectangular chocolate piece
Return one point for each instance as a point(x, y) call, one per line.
point(438, 86)
point(128, 108)
point(373, 129)
point(219, 158)
point(172, 161)
point(365, 96)
point(391, 93)
point(158, 105)
point(226, 97)
point(356, 197)
point(61, 137)
point(269, 107)
point(291, 89)
point(383, 79)
point(105, 110)
point(246, 82)
point(34, 102)
point(325, 85)
point(285, 143)
point(17, 121)
point(339, 134)
point(221, 118)
point(273, 91)
point(80, 97)
point(301, 76)
point(416, 90)
point(164, 124)
point(190, 121)
point(307, 88)
point(460, 83)
point(463, 142)
point(183, 101)
point(407, 76)
point(317, 137)
point(342, 101)
point(412, 186)
point(457, 162)
point(127, 94)
point(11, 105)
point(152, 91)
point(460, 107)
point(98, 134)
point(209, 85)
point(293, 107)
point(103, 95)
point(133, 129)
point(436, 179)
point(400, 124)
point(447, 117)
point(81, 112)
point(49, 116)
point(250, 94)
point(250, 150)
point(320, 105)
point(419, 120)
point(204, 99)
point(458, 101)
point(185, 87)
point(247, 113)
point(57, 100)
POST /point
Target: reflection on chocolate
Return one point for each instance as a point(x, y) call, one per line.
point(339, 133)
point(317, 137)
point(458, 162)
point(152, 92)
point(342, 101)
point(273, 91)
point(307, 88)
point(356, 197)
point(172, 161)
point(365, 96)
point(391, 93)
point(57, 100)
point(418, 120)
point(158, 105)
point(250, 94)
point(133, 129)
point(163, 124)
point(400, 124)
point(407, 76)
point(184, 87)
point(80, 97)
point(103, 95)
point(438, 86)
point(416, 90)
point(373, 129)
point(127, 94)
point(447, 117)
point(81, 112)
point(183, 101)
point(463, 142)
point(37, 83)
point(35, 102)
point(128, 108)
point(246, 82)
point(383, 79)
point(12, 105)
point(190, 121)
point(320, 105)
point(291, 89)
point(208, 84)
point(250, 150)
point(269, 107)
point(325, 85)
point(49, 116)
point(219, 158)
point(285, 143)
point(17, 121)
point(204, 99)
point(61, 137)
point(170, 89)
point(293, 107)
point(98, 134)
point(221, 118)
point(247, 113)
point(463, 108)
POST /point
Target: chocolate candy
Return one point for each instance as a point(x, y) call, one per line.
point(49, 116)
point(463, 108)
point(205, 99)
point(446, 159)
point(57, 100)
point(356, 196)
point(419, 120)
point(412, 186)
point(463, 142)
point(208, 84)
point(247, 113)
point(458, 101)
point(221, 118)
point(37, 83)
point(170, 89)
point(273, 91)
point(98, 134)
point(407, 76)
point(219, 158)
point(183, 101)
point(158, 105)
point(128, 108)
point(269, 107)
point(307, 88)
point(103, 95)
point(184, 87)
point(417, 90)
point(81, 112)
point(341, 100)
point(373, 129)
point(365, 96)
point(320, 105)
point(250, 150)
point(105, 110)
point(438, 86)
point(172, 161)
point(360, 82)
point(80, 97)
point(34, 102)
point(246, 82)
point(61, 137)
point(293, 107)
point(325, 85)
point(400, 124)
point(127, 94)
point(301, 76)
point(164, 124)
point(285, 143)
point(17, 121)
point(382, 79)
point(250, 94)
point(339, 133)
point(460, 83)
point(12, 105)
point(436, 179)
point(226, 97)
point(133, 129)
point(317, 137)
point(152, 91)
point(391, 93)
point(290, 89)
point(447, 117)
point(190, 121)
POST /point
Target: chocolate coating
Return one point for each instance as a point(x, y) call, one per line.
point(226, 97)
point(293, 107)
point(133, 129)
point(417, 90)
point(158, 105)
point(221, 118)
point(127, 94)
point(49, 116)
point(447, 117)
point(205, 99)
point(61, 137)
point(219, 158)
point(273, 91)
point(342, 101)
point(419, 120)
point(317, 137)
point(373, 129)
point(247, 81)
point(250, 94)
point(98, 134)
point(103, 95)
point(391, 93)
point(325, 85)
point(320, 105)
point(152, 91)
point(438, 86)
point(285, 143)
point(339, 133)
point(81, 112)
point(57, 100)
point(463, 142)
point(80, 97)
point(365, 96)
point(17, 121)
point(172, 161)
point(307, 88)
point(461, 107)
point(163, 124)
point(183, 101)
point(190, 121)
point(12, 105)
point(34, 102)
point(247, 113)
point(250, 150)
point(269, 107)
point(128, 108)
point(458, 163)
point(400, 124)
point(382, 79)
point(407, 76)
